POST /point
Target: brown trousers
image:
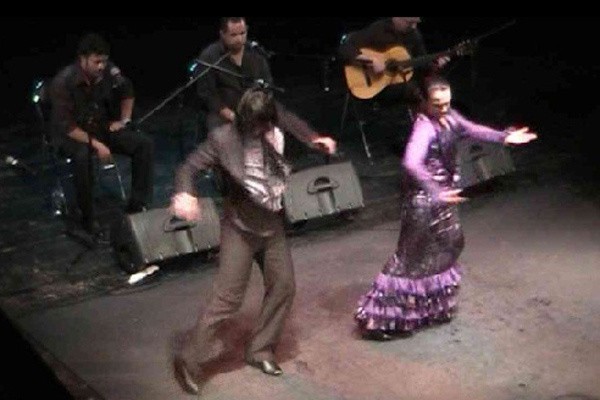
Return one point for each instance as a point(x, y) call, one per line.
point(238, 248)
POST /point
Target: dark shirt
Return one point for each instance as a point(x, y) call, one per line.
point(381, 36)
point(89, 106)
point(218, 89)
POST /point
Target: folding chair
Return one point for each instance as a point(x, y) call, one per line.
point(60, 164)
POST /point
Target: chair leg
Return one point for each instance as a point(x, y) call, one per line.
point(344, 115)
point(363, 135)
point(120, 179)
point(361, 125)
point(58, 197)
point(58, 200)
point(113, 165)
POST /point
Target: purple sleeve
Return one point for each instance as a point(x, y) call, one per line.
point(416, 153)
point(477, 131)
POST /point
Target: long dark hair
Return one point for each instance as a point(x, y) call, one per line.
point(257, 106)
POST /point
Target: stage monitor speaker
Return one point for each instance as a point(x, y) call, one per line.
point(154, 236)
point(321, 191)
point(482, 161)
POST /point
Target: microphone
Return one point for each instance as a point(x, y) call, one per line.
point(261, 83)
point(15, 163)
point(256, 46)
point(118, 78)
point(192, 67)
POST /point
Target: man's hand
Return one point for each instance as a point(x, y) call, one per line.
point(227, 114)
point(327, 143)
point(116, 126)
point(520, 136)
point(104, 153)
point(377, 65)
point(185, 206)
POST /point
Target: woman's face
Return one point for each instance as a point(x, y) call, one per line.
point(438, 101)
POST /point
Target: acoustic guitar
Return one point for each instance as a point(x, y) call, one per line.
point(363, 83)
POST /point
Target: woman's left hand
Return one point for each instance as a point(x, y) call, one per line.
point(520, 136)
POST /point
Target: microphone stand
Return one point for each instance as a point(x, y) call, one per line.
point(261, 83)
point(258, 82)
point(89, 243)
point(175, 93)
point(188, 84)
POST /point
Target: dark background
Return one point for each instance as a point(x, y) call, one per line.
point(541, 72)
point(543, 68)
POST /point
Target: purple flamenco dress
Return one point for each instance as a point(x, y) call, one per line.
point(419, 282)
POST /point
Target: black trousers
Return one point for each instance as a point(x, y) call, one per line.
point(138, 145)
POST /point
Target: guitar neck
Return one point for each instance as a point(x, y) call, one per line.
point(424, 61)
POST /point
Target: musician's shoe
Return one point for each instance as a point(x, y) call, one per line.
point(134, 207)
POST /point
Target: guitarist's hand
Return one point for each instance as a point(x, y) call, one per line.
point(375, 64)
point(441, 61)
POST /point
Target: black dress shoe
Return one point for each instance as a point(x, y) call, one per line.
point(135, 207)
point(377, 335)
point(268, 367)
point(186, 379)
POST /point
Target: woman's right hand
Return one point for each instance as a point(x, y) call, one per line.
point(452, 196)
